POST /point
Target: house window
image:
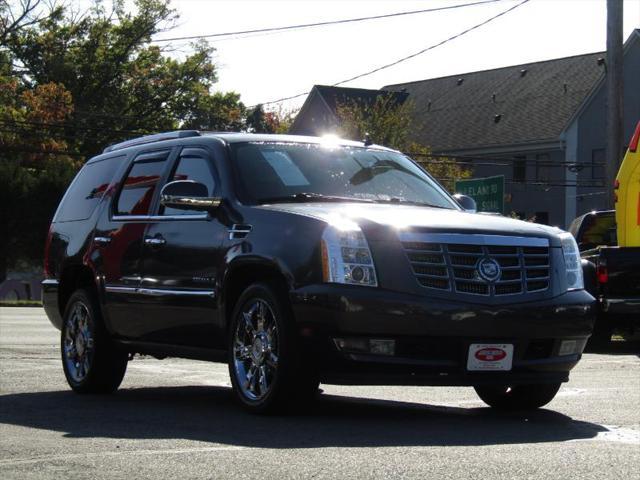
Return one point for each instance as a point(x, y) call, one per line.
point(543, 168)
point(520, 169)
point(542, 217)
point(597, 163)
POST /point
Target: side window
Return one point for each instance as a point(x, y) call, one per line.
point(87, 189)
point(140, 185)
point(543, 168)
point(520, 168)
point(193, 164)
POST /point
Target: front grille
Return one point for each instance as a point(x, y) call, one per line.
point(454, 266)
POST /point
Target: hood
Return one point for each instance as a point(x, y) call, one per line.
point(408, 218)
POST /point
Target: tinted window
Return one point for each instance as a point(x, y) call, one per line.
point(195, 165)
point(267, 172)
point(87, 189)
point(598, 230)
point(139, 186)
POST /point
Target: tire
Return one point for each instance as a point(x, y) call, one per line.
point(265, 364)
point(90, 361)
point(519, 397)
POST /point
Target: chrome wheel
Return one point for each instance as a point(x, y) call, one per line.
point(255, 350)
point(78, 342)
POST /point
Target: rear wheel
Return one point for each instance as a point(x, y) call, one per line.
point(265, 365)
point(90, 361)
point(518, 397)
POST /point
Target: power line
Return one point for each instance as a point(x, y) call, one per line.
point(408, 57)
point(502, 161)
point(321, 24)
point(28, 124)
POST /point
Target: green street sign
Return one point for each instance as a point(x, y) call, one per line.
point(487, 192)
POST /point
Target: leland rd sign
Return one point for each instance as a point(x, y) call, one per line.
point(488, 192)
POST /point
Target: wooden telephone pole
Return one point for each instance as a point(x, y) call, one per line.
point(614, 83)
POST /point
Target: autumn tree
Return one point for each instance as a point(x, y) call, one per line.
point(273, 121)
point(390, 122)
point(72, 83)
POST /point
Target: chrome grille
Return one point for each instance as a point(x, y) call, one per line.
point(449, 262)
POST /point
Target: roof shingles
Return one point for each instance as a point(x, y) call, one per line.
point(534, 107)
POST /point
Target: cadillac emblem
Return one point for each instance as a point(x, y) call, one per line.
point(489, 270)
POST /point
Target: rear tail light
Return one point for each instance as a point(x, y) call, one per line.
point(602, 273)
point(47, 247)
point(633, 146)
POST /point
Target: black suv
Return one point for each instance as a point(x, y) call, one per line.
point(301, 260)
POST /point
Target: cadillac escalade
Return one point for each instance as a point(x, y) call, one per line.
point(301, 260)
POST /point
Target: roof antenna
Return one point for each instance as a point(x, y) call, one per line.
point(367, 140)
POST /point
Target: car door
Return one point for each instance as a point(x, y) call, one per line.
point(119, 239)
point(182, 252)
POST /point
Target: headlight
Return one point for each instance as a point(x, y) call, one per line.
point(572, 262)
point(346, 257)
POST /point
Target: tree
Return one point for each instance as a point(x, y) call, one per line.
point(273, 121)
point(73, 83)
point(386, 121)
point(32, 180)
point(121, 85)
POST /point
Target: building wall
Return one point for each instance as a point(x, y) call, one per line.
point(591, 130)
point(525, 198)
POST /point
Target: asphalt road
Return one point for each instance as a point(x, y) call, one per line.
point(176, 419)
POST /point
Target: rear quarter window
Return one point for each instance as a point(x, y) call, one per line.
point(86, 190)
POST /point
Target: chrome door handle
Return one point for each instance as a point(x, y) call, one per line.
point(102, 240)
point(155, 241)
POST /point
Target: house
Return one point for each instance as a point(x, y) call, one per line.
point(540, 124)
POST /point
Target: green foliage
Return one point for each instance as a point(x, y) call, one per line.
point(72, 83)
point(274, 121)
point(121, 85)
point(387, 122)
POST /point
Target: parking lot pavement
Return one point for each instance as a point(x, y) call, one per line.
point(176, 419)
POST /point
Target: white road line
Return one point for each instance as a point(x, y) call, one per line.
point(81, 456)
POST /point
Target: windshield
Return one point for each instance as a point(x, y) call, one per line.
point(273, 172)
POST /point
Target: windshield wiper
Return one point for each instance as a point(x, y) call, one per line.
point(402, 201)
point(312, 197)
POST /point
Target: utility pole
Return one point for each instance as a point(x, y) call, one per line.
point(614, 96)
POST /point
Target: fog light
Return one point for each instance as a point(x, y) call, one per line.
point(375, 346)
point(352, 344)
point(382, 347)
point(567, 347)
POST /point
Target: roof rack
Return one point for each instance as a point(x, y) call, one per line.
point(158, 137)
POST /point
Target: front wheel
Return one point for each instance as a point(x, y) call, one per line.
point(518, 397)
point(265, 364)
point(90, 361)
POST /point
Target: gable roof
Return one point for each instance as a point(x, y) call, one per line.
point(334, 96)
point(520, 104)
point(327, 98)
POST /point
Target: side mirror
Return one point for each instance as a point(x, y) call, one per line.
point(467, 203)
point(188, 195)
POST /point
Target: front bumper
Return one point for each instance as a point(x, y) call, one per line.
point(432, 336)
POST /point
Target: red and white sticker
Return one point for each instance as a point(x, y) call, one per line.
point(490, 356)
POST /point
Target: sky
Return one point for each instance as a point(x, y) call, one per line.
point(270, 66)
